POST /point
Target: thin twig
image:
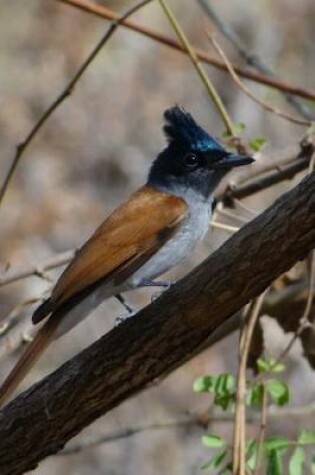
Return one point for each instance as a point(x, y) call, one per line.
point(128, 432)
point(253, 96)
point(13, 317)
point(107, 13)
point(224, 227)
point(230, 214)
point(251, 59)
point(239, 438)
point(37, 270)
point(263, 181)
point(251, 211)
point(212, 93)
point(190, 421)
point(64, 94)
point(262, 429)
point(304, 321)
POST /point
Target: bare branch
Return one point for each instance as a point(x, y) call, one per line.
point(262, 429)
point(211, 90)
point(239, 438)
point(107, 13)
point(304, 321)
point(253, 96)
point(51, 263)
point(20, 149)
point(276, 175)
point(252, 59)
point(190, 421)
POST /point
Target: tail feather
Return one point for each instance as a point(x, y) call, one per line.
point(29, 358)
point(43, 311)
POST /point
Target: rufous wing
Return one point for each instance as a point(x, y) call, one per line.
point(122, 244)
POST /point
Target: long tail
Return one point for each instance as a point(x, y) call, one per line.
point(29, 358)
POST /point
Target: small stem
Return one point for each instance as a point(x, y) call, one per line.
point(213, 94)
point(262, 429)
point(239, 438)
point(250, 94)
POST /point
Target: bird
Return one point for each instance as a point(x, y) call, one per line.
point(153, 231)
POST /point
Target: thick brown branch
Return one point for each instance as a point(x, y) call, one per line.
point(161, 337)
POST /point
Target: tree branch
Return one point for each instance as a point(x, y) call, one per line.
point(107, 13)
point(252, 59)
point(271, 177)
point(36, 270)
point(161, 337)
point(67, 91)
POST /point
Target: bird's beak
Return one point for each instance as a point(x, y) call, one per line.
point(232, 160)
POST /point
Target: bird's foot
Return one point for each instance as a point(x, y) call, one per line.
point(125, 304)
point(131, 311)
point(122, 318)
point(165, 284)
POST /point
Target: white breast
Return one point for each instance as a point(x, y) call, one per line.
point(180, 246)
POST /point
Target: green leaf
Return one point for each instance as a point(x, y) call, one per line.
point(212, 440)
point(296, 463)
point(262, 365)
point(307, 436)
point(227, 469)
point(250, 446)
point(272, 444)
point(203, 384)
point(223, 401)
point(239, 127)
point(257, 143)
point(225, 383)
point(251, 463)
point(222, 384)
point(215, 461)
point(254, 395)
point(313, 465)
point(223, 387)
point(274, 466)
point(277, 367)
point(265, 365)
point(278, 391)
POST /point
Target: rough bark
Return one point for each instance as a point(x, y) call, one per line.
point(40, 421)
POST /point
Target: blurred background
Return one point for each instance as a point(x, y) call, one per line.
point(95, 150)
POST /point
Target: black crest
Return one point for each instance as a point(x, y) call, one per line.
point(182, 129)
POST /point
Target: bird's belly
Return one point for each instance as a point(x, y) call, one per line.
point(177, 248)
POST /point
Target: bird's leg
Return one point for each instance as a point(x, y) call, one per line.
point(165, 284)
point(123, 301)
point(131, 311)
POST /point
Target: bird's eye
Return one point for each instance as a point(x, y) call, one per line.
point(191, 160)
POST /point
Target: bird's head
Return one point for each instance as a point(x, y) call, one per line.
point(192, 159)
